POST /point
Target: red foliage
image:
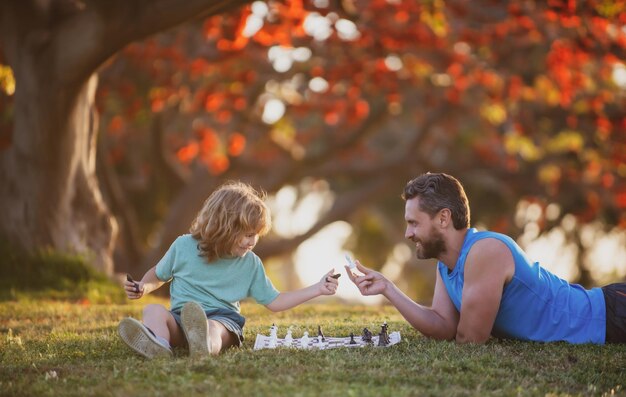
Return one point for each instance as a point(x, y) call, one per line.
point(187, 153)
point(538, 67)
point(236, 144)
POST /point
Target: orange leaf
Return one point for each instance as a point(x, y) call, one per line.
point(157, 105)
point(198, 67)
point(224, 116)
point(620, 200)
point(401, 16)
point(331, 118)
point(213, 102)
point(217, 163)
point(211, 28)
point(209, 141)
point(240, 103)
point(187, 153)
point(362, 108)
point(236, 144)
point(608, 180)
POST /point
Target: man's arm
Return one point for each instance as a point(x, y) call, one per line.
point(438, 321)
point(488, 268)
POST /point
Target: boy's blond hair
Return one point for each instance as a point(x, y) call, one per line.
point(232, 210)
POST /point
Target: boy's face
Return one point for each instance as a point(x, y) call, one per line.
point(245, 243)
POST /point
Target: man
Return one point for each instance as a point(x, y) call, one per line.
point(486, 285)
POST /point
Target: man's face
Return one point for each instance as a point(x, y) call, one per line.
point(420, 229)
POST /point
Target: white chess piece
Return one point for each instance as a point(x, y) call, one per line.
point(320, 342)
point(288, 338)
point(273, 336)
point(351, 264)
point(304, 341)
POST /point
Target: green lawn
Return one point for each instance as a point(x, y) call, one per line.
point(58, 349)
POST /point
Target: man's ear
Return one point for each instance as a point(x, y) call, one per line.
point(444, 217)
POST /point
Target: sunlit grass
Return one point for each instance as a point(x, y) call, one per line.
point(52, 348)
point(49, 274)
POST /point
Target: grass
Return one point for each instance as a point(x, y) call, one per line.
point(59, 348)
point(51, 274)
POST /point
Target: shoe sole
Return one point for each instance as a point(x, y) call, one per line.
point(138, 338)
point(196, 329)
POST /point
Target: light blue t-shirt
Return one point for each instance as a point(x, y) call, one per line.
point(219, 284)
point(536, 305)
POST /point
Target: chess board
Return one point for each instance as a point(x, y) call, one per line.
point(264, 342)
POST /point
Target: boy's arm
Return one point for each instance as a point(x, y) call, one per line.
point(148, 283)
point(286, 300)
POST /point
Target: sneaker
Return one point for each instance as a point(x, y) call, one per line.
point(141, 339)
point(196, 329)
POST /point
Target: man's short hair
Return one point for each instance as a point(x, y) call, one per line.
point(437, 191)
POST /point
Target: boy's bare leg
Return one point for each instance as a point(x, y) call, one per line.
point(162, 323)
point(221, 338)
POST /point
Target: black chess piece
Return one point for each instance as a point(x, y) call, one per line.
point(367, 336)
point(352, 341)
point(129, 278)
point(383, 337)
point(387, 338)
point(320, 334)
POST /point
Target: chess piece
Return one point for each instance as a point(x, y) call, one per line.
point(129, 278)
point(320, 342)
point(387, 339)
point(288, 338)
point(273, 336)
point(320, 334)
point(351, 264)
point(304, 341)
point(367, 336)
point(352, 341)
point(383, 337)
point(335, 276)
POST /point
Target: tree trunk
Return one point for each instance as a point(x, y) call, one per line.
point(49, 196)
point(49, 193)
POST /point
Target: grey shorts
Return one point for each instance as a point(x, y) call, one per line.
point(230, 319)
point(615, 301)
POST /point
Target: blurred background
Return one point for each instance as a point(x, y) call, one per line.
point(332, 106)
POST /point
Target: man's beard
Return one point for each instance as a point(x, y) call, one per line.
point(433, 247)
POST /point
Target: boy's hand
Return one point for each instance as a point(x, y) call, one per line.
point(133, 289)
point(328, 284)
point(370, 283)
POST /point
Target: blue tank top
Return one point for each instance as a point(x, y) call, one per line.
point(536, 305)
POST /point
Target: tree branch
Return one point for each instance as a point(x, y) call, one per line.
point(91, 34)
point(341, 209)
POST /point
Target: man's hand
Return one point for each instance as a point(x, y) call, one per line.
point(370, 283)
